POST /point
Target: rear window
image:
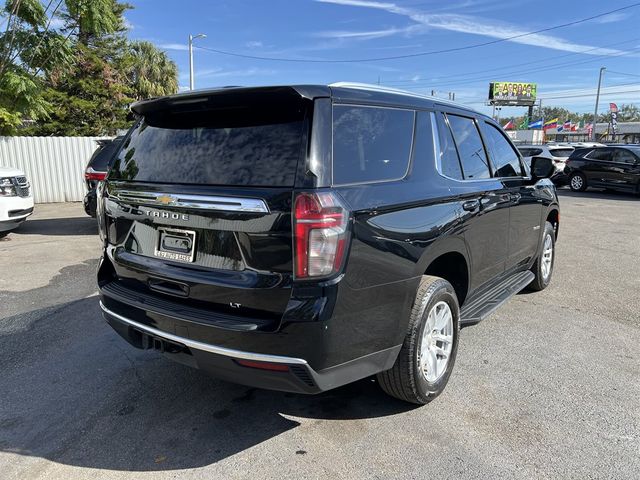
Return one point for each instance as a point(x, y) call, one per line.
point(370, 144)
point(529, 152)
point(103, 156)
point(256, 143)
point(561, 152)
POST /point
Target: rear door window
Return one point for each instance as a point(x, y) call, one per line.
point(470, 148)
point(371, 144)
point(449, 160)
point(505, 159)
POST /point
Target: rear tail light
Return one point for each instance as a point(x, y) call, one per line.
point(320, 234)
point(91, 174)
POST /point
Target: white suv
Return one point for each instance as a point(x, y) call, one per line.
point(16, 201)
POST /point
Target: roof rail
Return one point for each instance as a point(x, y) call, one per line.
point(380, 88)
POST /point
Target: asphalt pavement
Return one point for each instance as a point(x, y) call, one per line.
point(547, 387)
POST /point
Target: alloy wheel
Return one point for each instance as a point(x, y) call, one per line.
point(576, 182)
point(437, 342)
point(547, 257)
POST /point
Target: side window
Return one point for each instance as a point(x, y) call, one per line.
point(448, 156)
point(621, 155)
point(370, 144)
point(472, 155)
point(505, 159)
point(600, 154)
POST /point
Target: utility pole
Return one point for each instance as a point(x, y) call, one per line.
point(191, 39)
point(595, 112)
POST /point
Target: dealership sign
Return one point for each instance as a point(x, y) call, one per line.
point(512, 93)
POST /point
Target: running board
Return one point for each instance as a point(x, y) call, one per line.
point(488, 302)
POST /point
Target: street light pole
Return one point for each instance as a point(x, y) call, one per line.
point(191, 39)
point(595, 112)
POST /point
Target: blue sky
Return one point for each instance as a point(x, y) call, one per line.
point(564, 61)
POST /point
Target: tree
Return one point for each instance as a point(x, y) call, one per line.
point(28, 47)
point(629, 113)
point(150, 72)
point(91, 95)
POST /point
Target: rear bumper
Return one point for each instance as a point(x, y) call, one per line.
point(269, 371)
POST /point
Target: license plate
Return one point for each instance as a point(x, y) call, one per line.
point(178, 245)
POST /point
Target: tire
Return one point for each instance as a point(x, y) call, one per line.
point(578, 182)
point(407, 380)
point(542, 275)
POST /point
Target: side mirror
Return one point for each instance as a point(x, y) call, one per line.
point(542, 167)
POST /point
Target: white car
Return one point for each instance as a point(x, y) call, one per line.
point(16, 201)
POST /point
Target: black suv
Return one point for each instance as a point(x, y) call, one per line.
point(300, 238)
point(612, 167)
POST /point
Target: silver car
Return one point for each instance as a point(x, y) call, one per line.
point(558, 153)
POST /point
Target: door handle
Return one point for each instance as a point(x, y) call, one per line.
point(471, 205)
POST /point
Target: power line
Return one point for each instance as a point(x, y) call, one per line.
point(421, 54)
point(622, 73)
point(555, 57)
point(591, 94)
point(521, 72)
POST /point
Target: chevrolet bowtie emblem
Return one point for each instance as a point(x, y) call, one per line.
point(165, 199)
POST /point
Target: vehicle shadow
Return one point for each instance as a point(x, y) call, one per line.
point(599, 194)
point(59, 226)
point(76, 393)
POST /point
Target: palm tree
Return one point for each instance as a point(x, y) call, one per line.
point(151, 72)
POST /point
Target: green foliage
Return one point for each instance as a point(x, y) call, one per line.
point(77, 79)
point(629, 113)
point(150, 71)
point(29, 11)
point(90, 99)
point(92, 18)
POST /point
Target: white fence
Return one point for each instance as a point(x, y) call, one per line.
point(54, 165)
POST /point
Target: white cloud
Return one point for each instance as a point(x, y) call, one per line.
point(612, 18)
point(369, 35)
point(478, 26)
point(212, 73)
point(173, 46)
point(253, 44)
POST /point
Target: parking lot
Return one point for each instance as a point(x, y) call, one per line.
point(547, 387)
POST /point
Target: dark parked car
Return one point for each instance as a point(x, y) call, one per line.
point(96, 170)
point(611, 167)
point(300, 238)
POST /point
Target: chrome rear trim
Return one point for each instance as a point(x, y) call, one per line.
point(200, 202)
point(227, 352)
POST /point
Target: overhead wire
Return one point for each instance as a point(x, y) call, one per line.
point(419, 54)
